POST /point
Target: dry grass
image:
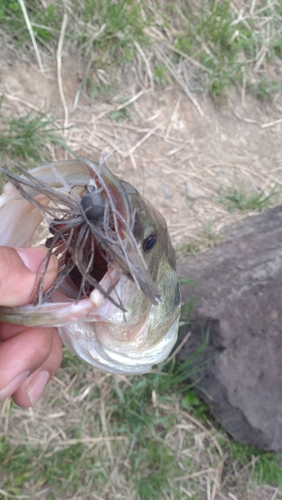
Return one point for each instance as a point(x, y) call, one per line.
point(87, 437)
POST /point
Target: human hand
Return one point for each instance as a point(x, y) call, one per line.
point(29, 357)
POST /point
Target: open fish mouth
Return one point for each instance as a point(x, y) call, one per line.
point(106, 299)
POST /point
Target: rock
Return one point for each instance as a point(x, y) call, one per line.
point(238, 301)
point(194, 191)
point(166, 192)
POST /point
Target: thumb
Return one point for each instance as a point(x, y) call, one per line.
point(20, 272)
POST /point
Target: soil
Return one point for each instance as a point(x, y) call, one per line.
point(179, 159)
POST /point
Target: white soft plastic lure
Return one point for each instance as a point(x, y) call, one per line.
point(116, 301)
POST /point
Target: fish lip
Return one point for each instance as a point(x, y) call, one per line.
point(120, 361)
point(61, 310)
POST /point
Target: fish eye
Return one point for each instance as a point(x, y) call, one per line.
point(149, 242)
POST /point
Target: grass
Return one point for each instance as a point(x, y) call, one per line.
point(266, 467)
point(238, 197)
point(45, 21)
point(206, 238)
point(120, 115)
point(145, 421)
point(234, 47)
point(146, 437)
point(94, 435)
point(123, 23)
point(145, 456)
point(106, 27)
point(27, 138)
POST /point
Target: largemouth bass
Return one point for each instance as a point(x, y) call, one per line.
point(116, 301)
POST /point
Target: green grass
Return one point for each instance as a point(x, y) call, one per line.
point(140, 412)
point(45, 21)
point(207, 237)
point(107, 28)
point(238, 197)
point(265, 89)
point(160, 74)
point(228, 48)
point(78, 469)
point(25, 138)
point(120, 115)
point(212, 33)
point(146, 461)
point(123, 22)
point(266, 466)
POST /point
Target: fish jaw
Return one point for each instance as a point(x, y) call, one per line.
point(86, 343)
point(61, 310)
point(118, 343)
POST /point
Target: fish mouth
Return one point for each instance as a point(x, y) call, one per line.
point(104, 300)
point(91, 227)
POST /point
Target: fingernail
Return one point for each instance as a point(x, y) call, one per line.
point(33, 257)
point(12, 386)
point(36, 385)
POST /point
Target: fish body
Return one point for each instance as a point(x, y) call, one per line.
point(116, 301)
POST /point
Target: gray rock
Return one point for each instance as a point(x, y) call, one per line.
point(167, 192)
point(194, 191)
point(238, 301)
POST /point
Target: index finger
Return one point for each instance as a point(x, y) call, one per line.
point(19, 274)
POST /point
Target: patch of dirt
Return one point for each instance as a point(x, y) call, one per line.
point(179, 159)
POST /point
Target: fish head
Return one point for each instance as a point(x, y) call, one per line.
point(129, 321)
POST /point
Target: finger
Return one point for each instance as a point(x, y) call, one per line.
point(8, 330)
point(32, 387)
point(22, 355)
point(19, 273)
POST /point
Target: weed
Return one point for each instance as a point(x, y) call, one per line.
point(111, 28)
point(152, 470)
point(265, 89)
point(209, 234)
point(120, 25)
point(207, 237)
point(61, 470)
point(210, 38)
point(160, 74)
point(240, 198)
point(26, 138)
point(191, 247)
point(97, 90)
point(227, 46)
point(213, 33)
point(45, 21)
point(120, 115)
point(72, 360)
point(150, 461)
point(191, 400)
point(266, 466)
point(268, 469)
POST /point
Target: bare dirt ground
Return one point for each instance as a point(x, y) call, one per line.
point(179, 156)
